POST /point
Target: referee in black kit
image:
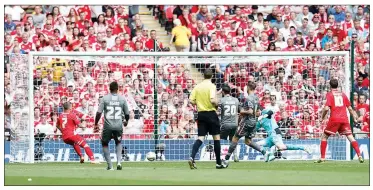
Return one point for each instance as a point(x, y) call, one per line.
point(204, 96)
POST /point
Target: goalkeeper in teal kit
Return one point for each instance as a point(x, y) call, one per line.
point(274, 135)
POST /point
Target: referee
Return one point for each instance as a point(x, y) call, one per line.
point(204, 96)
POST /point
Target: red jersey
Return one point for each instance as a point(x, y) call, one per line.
point(62, 91)
point(290, 48)
point(87, 11)
point(236, 18)
point(366, 123)
point(7, 47)
point(118, 30)
point(80, 25)
point(249, 32)
point(228, 48)
point(210, 25)
point(193, 29)
point(362, 107)
point(27, 47)
point(241, 41)
point(347, 25)
point(48, 32)
point(338, 102)
point(110, 20)
point(226, 24)
point(18, 38)
point(366, 118)
point(68, 123)
point(243, 25)
point(268, 31)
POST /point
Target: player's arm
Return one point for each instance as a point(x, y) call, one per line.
point(192, 97)
point(58, 125)
point(239, 105)
point(348, 105)
point(247, 109)
point(257, 126)
point(324, 112)
point(239, 117)
point(213, 98)
point(77, 122)
point(126, 113)
point(99, 113)
point(326, 108)
point(266, 115)
point(353, 113)
point(220, 107)
point(259, 111)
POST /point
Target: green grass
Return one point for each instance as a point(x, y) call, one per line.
point(178, 173)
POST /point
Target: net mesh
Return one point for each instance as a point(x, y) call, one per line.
point(19, 89)
point(157, 91)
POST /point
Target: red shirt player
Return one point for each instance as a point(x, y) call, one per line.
point(337, 102)
point(66, 123)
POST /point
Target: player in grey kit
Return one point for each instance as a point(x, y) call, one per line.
point(229, 109)
point(116, 115)
point(247, 123)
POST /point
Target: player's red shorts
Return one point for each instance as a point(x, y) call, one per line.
point(75, 139)
point(334, 127)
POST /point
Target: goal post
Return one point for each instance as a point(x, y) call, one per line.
point(174, 143)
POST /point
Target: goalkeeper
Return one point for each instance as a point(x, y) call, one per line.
point(274, 135)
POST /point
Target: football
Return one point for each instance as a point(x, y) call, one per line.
point(150, 156)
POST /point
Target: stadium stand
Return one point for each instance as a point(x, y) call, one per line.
point(214, 29)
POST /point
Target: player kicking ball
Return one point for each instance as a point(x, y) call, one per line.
point(274, 135)
point(116, 115)
point(247, 124)
point(67, 123)
point(337, 102)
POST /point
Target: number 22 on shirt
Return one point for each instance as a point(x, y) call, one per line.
point(113, 112)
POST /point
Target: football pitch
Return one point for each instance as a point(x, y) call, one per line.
point(178, 173)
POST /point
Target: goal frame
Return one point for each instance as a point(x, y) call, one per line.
point(345, 54)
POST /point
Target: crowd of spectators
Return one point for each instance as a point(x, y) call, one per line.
point(295, 90)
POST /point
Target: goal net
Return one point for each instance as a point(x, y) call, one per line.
point(156, 87)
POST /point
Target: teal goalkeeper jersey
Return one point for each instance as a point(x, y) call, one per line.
point(269, 125)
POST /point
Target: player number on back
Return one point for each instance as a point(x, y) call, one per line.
point(114, 113)
point(230, 110)
point(338, 101)
point(64, 121)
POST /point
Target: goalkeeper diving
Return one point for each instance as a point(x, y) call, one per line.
point(274, 135)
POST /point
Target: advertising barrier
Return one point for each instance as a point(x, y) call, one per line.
point(364, 146)
point(179, 149)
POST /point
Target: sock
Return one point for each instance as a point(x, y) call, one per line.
point(232, 147)
point(235, 152)
point(89, 152)
point(196, 146)
point(323, 145)
point(257, 147)
point(355, 145)
point(217, 150)
point(118, 149)
point(77, 150)
point(294, 147)
point(107, 156)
